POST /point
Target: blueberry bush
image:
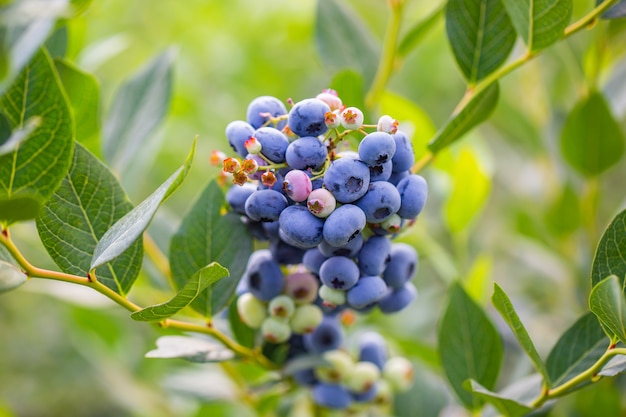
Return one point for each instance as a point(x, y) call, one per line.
point(416, 215)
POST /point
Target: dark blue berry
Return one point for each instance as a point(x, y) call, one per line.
point(265, 278)
point(377, 148)
point(307, 117)
point(237, 195)
point(368, 290)
point(413, 193)
point(402, 265)
point(265, 205)
point(350, 249)
point(398, 299)
point(374, 255)
point(274, 143)
point(300, 228)
point(380, 202)
point(372, 348)
point(327, 336)
point(313, 260)
point(381, 172)
point(347, 179)
point(339, 273)
point(265, 104)
point(404, 158)
point(334, 396)
point(343, 225)
point(284, 253)
point(305, 153)
point(397, 176)
point(237, 133)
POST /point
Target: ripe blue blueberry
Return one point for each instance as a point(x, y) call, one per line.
point(350, 249)
point(300, 227)
point(343, 225)
point(284, 253)
point(339, 273)
point(413, 193)
point(367, 291)
point(305, 377)
point(265, 205)
point(377, 148)
point(327, 336)
point(347, 179)
point(237, 195)
point(265, 104)
point(404, 158)
point(374, 255)
point(306, 117)
point(398, 299)
point(381, 172)
point(265, 278)
point(237, 133)
point(305, 153)
point(313, 260)
point(396, 177)
point(372, 348)
point(402, 265)
point(380, 202)
point(273, 142)
point(333, 396)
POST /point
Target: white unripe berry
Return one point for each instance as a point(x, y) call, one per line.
point(363, 377)
point(252, 311)
point(399, 373)
point(306, 318)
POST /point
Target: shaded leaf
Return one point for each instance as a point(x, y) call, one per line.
point(476, 111)
point(207, 235)
point(56, 44)
point(243, 334)
point(137, 110)
point(507, 406)
point(343, 39)
point(608, 303)
point(84, 207)
point(192, 288)
point(614, 367)
point(592, 140)
point(610, 256)
point(503, 304)
point(11, 277)
point(427, 394)
point(30, 174)
point(469, 345)
point(20, 135)
point(576, 350)
point(190, 348)
point(616, 11)
point(481, 35)
point(419, 31)
point(129, 228)
point(540, 23)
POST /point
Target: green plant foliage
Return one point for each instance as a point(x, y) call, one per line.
point(30, 174)
point(416, 34)
point(469, 345)
point(84, 207)
point(481, 36)
point(206, 235)
point(608, 302)
point(609, 258)
point(15, 138)
point(190, 348)
point(199, 282)
point(592, 140)
point(506, 406)
point(10, 277)
point(129, 228)
point(540, 23)
point(242, 333)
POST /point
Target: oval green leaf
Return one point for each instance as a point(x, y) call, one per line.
point(507, 406)
point(199, 282)
point(208, 235)
point(481, 36)
point(129, 228)
point(190, 348)
point(11, 277)
point(608, 303)
point(86, 204)
point(540, 23)
point(576, 350)
point(610, 256)
point(30, 174)
point(592, 140)
point(474, 112)
point(13, 142)
point(419, 30)
point(469, 345)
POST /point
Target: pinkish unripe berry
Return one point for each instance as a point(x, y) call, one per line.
point(297, 185)
point(387, 124)
point(332, 119)
point(302, 287)
point(330, 97)
point(321, 202)
point(252, 145)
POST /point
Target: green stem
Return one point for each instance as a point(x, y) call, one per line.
point(589, 19)
point(387, 59)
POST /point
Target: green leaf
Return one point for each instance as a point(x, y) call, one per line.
point(137, 110)
point(86, 204)
point(476, 111)
point(349, 85)
point(419, 31)
point(608, 303)
point(540, 23)
point(30, 174)
point(479, 277)
point(129, 228)
point(427, 394)
point(243, 334)
point(11, 277)
point(503, 304)
point(83, 92)
point(13, 142)
point(616, 11)
point(193, 349)
point(481, 35)
point(592, 140)
point(576, 350)
point(56, 44)
point(469, 345)
point(199, 282)
point(610, 256)
point(208, 235)
point(614, 367)
point(343, 40)
point(469, 193)
point(507, 406)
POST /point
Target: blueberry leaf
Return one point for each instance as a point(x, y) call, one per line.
point(614, 367)
point(192, 349)
point(481, 36)
point(19, 135)
point(507, 406)
point(610, 256)
point(129, 228)
point(30, 174)
point(11, 276)
point(608, 303)
point(416, 34)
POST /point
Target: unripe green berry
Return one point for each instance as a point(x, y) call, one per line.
point(281, 306)
point(384, 393)
point(340, 365)
point(399, 373)
point(252, 311)
point(275, 330)
point(306, 318)
point(363, 377)
point(332, 297)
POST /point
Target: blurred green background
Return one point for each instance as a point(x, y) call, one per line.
point(503, 204)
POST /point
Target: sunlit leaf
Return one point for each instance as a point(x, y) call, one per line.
point(129, 228)
point(481, 36)
point(610, 256)
point(199, 282)
point(86, 204)
point(19, 135)
point(474, 112)
point(190, 348)
point(540, 23)
point(507, 406)
point(469, 345)
point(414, 36)
point(608, 303)
point(477, 283)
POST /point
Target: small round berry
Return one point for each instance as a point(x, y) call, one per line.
point(347, 179)
point(350, 249)
point(343, 225)
point(332, 297)
point(390, 226)
point(402, 265)
point(413, 193)
point(237, 133)
point(326, 336)
point(265, 205)
point(281, 306)
point(398, 299)
point(367, 396)
point(380, 202)
point(302, 287)
point(339, 273)
point(313, 260)
point(300, 228)
point(251, 310)
point(367, 291)
point(330, 97)
point(305, 153)
point(352, 118)
point(339, 365)
point(374, 255)
point(285, 253)
point(237, 195)
point(306, 318)
point(273, 143)
point(384, 394)
point(297, 185)
point(332, 119)
point(363, 377)
point(307, 117)
point(399, 373)
point(262, 108)
point(321, 202)
point(387, 124)
point(373, 348)
point(333, 396)
point(404, 158)
point(275, 330)
point(265, 278)
point(377, 148)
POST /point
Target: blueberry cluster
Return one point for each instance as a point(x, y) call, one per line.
point(329, 213)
